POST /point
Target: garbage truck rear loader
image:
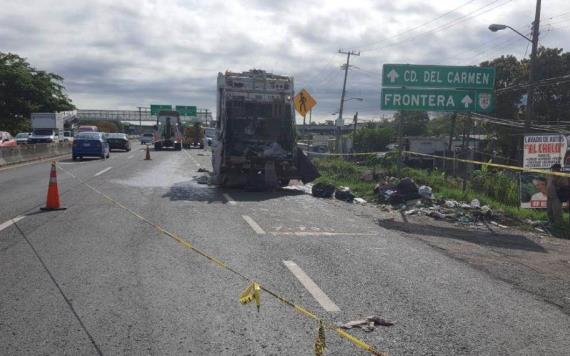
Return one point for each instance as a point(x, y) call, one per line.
point(256, 132)
point(168, 131)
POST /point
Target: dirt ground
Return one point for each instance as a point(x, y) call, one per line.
point(533, 262)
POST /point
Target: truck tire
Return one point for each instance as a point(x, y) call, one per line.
point(178, 147)
point(157, 146)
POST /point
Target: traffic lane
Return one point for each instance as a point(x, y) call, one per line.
point(139, 292)
point(34, 317)
point(24, 188)
point(438, 303)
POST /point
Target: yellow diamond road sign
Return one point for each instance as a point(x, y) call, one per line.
point(304, 102)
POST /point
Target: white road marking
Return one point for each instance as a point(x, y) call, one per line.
point(229, 199)
point(320, 233)
point(258, 230)
point(103, 171)
point(312, 287)
point(11, 222)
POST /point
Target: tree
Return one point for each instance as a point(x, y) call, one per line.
point(373, 138)
point(24, 89)
point(414, 123)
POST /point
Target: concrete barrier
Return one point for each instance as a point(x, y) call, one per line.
point(25, 153)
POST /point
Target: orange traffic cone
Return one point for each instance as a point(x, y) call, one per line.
point(147, 158)
point(53, 193)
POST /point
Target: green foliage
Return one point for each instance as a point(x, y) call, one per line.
point(24, 89)
point(439, 126)
point(373, 138)
point(414, 123)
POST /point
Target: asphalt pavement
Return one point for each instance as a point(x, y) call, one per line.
point(95, 279)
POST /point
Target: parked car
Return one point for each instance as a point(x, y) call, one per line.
point(22, 138)
point(147, 139)
point(6, 140)
point(92, 144)
point(118, 141)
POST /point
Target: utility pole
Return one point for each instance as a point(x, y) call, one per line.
point(532, 70)
point(340, 123)
point(206, 117)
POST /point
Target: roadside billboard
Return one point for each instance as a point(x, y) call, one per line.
point(541, 152)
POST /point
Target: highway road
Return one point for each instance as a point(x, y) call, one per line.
point(95, 279)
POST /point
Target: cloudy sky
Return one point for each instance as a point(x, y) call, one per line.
point(120, 54)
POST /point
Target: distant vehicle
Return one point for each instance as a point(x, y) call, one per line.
point(90, 144)
point(147, 138)
point(168, 131)
point(118, 141)
point(210, 136)
point(67, 136)
point(47, 127)
point(22, 138)
point(257, 140)
point(6, 140)
point(88, 128)
point(193, 136)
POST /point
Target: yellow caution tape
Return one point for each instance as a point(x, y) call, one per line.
point(320, 343)
point(252, 292)
point(496, 165)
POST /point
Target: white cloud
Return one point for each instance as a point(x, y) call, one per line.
point(122, 54)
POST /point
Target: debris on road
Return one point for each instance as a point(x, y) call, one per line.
point(344, 194)
point(201, 179)
point(425, 192)
point(203, 170)
point(323, 190)
point(359, 201)
point(368, 324)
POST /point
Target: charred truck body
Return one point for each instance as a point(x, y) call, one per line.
point(256, 128)
point(168, 131)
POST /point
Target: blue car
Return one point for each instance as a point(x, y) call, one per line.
point(90, 144)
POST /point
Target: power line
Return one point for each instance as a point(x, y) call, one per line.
point(422, 25)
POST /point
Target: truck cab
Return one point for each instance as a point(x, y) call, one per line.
point(45, 135)
point(168, 131)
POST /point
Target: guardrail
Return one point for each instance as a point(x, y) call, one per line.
point(25, 153)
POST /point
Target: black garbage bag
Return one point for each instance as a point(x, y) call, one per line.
point(408, 189)
point(307, 169)
point(344, 194)
point(323, 190)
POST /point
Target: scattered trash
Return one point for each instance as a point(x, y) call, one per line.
point(203, 170)
point(344, 194)
point(499, 225)
point(425, 192)
point(368, 324)
point(323, 190)
point(475, 204)
point(359, 201)
point(450, 204)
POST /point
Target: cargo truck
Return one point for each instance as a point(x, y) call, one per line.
point(168, 131)
point(256, 144)
point(47, 127)
point(193, 135)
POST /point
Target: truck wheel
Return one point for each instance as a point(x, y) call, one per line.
point(157, 147)
point(283, 182)
point(178, 147)
point(74, 158)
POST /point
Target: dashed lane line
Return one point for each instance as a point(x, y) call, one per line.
point(103, 171)
point(229, 199)
point(312, 287)
point(258, 230)
point(11, 222)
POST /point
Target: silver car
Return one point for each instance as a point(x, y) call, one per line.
point(147, 139)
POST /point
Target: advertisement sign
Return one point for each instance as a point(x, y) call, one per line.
point(541, 152)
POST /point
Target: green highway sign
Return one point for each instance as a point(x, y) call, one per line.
point(155, 109)
point(482, 101)
point(186, 110)
point(432, 76)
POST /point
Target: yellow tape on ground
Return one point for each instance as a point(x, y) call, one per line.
point(253, 291)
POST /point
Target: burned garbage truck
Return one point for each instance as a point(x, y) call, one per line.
point(256, 132)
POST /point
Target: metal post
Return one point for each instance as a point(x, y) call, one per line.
point(340, 122)
point(531, 70)
point(399, 167)
point(354, 130)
